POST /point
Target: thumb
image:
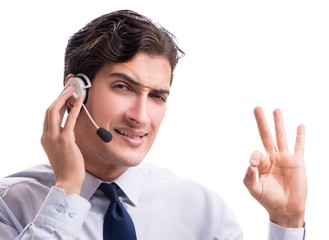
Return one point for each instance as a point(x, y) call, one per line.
point(251, 180)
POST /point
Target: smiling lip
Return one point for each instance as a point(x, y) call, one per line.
point(132, 138)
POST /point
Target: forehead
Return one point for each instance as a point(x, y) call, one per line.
point(147, 70)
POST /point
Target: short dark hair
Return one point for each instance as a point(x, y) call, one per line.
point(117, 37)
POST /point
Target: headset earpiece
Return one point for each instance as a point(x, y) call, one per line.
point(81, 83)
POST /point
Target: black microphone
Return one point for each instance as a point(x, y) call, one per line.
point(102, 133)
point(105, 135)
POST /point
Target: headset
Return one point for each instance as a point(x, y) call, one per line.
point(81, 84)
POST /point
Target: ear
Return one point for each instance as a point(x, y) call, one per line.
point(71, 75)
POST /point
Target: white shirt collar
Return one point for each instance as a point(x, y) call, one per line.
point(129, 182)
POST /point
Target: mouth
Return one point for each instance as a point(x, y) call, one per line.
point(130, 134)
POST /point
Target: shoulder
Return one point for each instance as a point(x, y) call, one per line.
point(39, 175)
point(163, 179)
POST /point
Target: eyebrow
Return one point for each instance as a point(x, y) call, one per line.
point(138, 84)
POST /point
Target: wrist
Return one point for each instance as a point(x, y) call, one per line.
point(69, 187)
point(295, 221)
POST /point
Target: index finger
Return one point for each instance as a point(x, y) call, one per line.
point(73, 115)
point(55, 112)
point(264, 130)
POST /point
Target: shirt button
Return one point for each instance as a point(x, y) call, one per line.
point(60, 209)
point(72, 214)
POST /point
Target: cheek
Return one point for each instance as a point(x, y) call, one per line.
point(157, 114)
point(105, 107)
point(110, 110)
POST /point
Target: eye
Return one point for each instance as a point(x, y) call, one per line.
point(158, 97)
point(122, 87)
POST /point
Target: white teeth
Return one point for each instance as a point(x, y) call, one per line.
point(127, 135)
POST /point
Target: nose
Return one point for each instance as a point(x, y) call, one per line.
point(138, 112)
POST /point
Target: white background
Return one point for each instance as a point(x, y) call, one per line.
point(239, 54)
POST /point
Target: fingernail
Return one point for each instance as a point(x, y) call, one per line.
point(253, 162)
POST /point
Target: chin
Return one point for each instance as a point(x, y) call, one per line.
point(132, 162)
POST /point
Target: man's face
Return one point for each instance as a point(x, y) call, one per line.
point(129, 100)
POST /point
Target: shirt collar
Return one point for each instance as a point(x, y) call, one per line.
point(129, 182)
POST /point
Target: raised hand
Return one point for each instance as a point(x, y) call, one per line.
point(277, 180)
point(59, 143)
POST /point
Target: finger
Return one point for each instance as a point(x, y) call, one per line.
point(45, 122)
point(46, 118)
point(281, 137)
point(264, 131)
point(251, 181)
point(73, 115)
point(55, 113)
point(251, 176)
point(259, 161)
point(300, 142)
point(258, 168)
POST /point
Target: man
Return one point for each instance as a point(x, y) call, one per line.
point(129, 62)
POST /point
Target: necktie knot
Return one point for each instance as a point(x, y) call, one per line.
point(110, 191)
